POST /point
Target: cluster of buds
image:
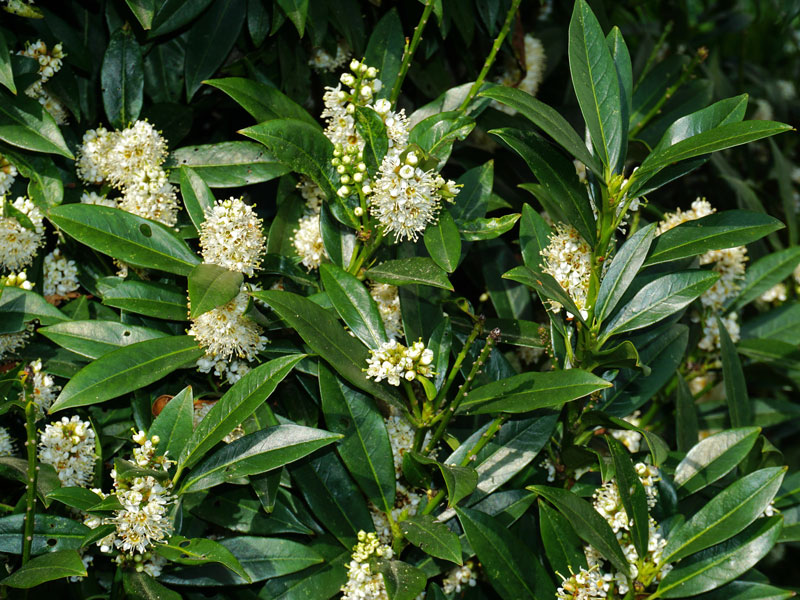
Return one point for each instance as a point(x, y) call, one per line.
point(352, 171)
point(19, 280)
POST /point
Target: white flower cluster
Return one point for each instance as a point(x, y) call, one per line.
point(231, 236)
point(459, 578)
point(227, 334)
point(69, 445)
point(11, 342)
point(534, 62)
point(307, 238)
point(393, 361)
point(586, 584)
point(774, 295)
point(50, 61)
point(143, 521)
point(202, 408)
point(18, 243)
point(7, 445)
point(43, 387)
point(98, 199)
point(631, 439)
point(60, 274)
point(568, 258)
point(8, 173)
point(362, 583)
point(729, 263)
point(387, 298)
point(323, 61)
point(131, 161)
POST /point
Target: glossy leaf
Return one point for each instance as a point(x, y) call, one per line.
point(437, 134)
point(199, 551)
point(18, 307)
point(238, 403)
point(713, 458)
point(546, 285)
point(75, 497)
point(25, 123)
point(93, 339)
point(122, 79)
point(352, 300)
point(174, 14)
point(262, 101)
point(50, 534)
point(227, 164)
point(739, 409)
point(432, 537)
point(147, 298)
point(402, 581)
point(443, 241)
point(459, 482)
point(404, 271)
point(632, 494)
point(562, 546)
point(747, 590)
point(729, 110)
point(765, 273)
point(141, 586)
point(197, 196)
point(488, 228)
point(376, 143)
point(125, 236)
point(385, 49)
point(686, 426)
point(174, 424)
point(6, 73)
point(39, 570)
point(211, 286)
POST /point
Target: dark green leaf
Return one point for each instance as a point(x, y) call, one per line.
point(264, 102)
point(355, 305)
point(404, 271)
point(93, 339)
point(143, 11)
point(147, 298)
point(174, 423)
point(443, 241)
point(376, 143)
point(122, 79)
point(765, 273)
point(75, 497)
point(686, 426)
point(632, 494)
point(141, 586)
point(25, 123)
point(45, 186)
point(432, 537)
point(226, 164)
point(297, 11)
point(437, 133)
point(562, 546)
point(473, 199)
point(739, 408)
point(55, 565)
point(18, 307)
point(546, 285)
point(17, 468)
point(197, 196)
point(211, 286)
point(174, 14)
point(729, 110)
point(7, 76)
point(747, 590)
point(385, 49)
point(199, 551)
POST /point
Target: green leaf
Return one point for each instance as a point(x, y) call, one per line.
point(174, 423)
point(75, 497)
point(534, 234)
point(432, 537)
point(739, 409)
point(626, 264)
point(50, 534)
point(747, 590)
point(261, 558)
point(476, 190)
point(141, 586)
point(376, 143)
point(226, 164)
point(297, 11)
point(18, 307)
point(513, 571)
point(93, 339)
point(143, 11)
point(659, 299)
point(729, 110)
point(531, 391)
point(588, 524)
point(713, 458)
point(238, 403)
point(765, 273)
point(122, 79)
point(7, 75)
point(402, 581)
point(322, 332)
point(301, 147)
point(199, 551)
point(548, 120)
point(126, 369)
point(211, 286)
point(726, 514)
point(385, 49)
point(460, 482)
point(210, 40)
point(148, 298)
point(716, 566)
point(264, 102)
point(443, 241)
point(125, 236)
point(26, 124)
point(545, 285)
point(321, 581)
point(17, 468)
point(487, 229)
point(686, 426)
point(355, 305)
point(717, 231)
point(437, 133)
point(594, 77)
point(719, 138)
point(562, 546)
point(632, 494)
point(45, 186)
point(557, 175)
point(365, 448)
point(404, 271)
point(39, 570)
point(255, 453)
point(174, 14)
point(338, 239)
point(197, 196)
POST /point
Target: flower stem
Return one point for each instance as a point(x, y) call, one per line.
point(410, 49)
point(476, 330)
point(30, 479)
point(498, 42)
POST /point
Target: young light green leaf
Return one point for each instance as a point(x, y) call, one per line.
point(432, 537)
point(255, 453)
point(404, 271)
point(125, 236)
point(623, 269)
point(143, 11)
point(443, 241)
point(739, 409)
point(488, 228)
point(659, 299)
point(127, 369)
point(531, 391)
point(197, 196)
point(211, 286)
point(632, 494)
point(174, 423)
point(235, 406)
point(714, 457)
point(355, 305)
point(93, 339)
point(39, 570)
point(594, 77)
point(122, 79)
point(726, 514)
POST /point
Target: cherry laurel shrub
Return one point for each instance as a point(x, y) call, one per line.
point(316, 299)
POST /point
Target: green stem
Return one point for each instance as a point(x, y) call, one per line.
point(498, 42)
point(410, 49)
point(476, 330)
point(30, 479)
point(413, 403)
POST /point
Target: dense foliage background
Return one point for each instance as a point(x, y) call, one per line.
point(518, 450)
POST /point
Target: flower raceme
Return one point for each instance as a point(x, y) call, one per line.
point(395, 362)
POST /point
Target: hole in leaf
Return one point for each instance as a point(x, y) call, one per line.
point(126, 333)
point(52, 542)
point(145, 229)
point(184, 543)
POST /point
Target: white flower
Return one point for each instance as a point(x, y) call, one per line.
point(547, 465)
point(763, 110)
point(44, 388)
point(585, 585)
point(535, 65)
point(11, 342)
point(322, 61)
point(393, 362)
point(226, 333)
point(143, 521)
point(774, 295)
point(529, 355)
point(133, 150)
point(69, 445)
point(312, 194)
point(95, 198)
point(568, 258)
point(460, 578)
point(362, 583)
point(201, 409)
point(730, 264)
point(18, 244)
point(388, 300)
point(7, 445)
point(60, 274)
point(95, 149)
point(710, 341)
point(19, 280)
point(630, 439)
point(231, 236)
point(149, 195)
point(307, 241)
point(50, 61)
point(700, 208)
point(8, 173)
